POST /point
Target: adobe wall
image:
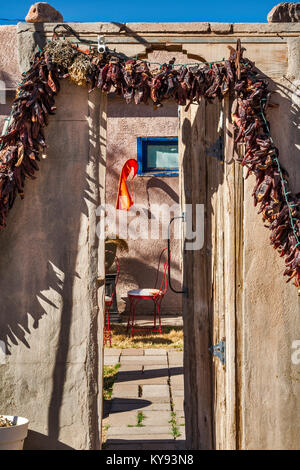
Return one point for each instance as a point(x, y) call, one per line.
point(46, 285)
point(51, 319)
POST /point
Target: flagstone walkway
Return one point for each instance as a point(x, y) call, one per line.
point(146, 410)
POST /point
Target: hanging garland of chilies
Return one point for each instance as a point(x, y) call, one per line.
point(24, 140)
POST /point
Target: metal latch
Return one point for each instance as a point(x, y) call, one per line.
point(102, 47)
point(219, 350)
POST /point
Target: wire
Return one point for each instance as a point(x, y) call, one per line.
point(13, 19)
point(285, 192)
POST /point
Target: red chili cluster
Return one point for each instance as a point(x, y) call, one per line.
point(134, 81)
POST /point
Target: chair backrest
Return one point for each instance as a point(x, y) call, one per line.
point(163, 286)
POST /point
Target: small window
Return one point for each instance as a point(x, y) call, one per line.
point(157, 156)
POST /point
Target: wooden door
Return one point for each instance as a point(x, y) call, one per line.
point(211, 177)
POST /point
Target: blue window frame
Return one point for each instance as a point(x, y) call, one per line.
point(157, 156)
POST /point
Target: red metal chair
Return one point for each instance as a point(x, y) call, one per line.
point(156, 295)
point(108, 304)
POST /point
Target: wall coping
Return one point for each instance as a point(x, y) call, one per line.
point(204, 28)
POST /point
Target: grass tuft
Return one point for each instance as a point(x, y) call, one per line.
point(172, 337)
point(140, 419)
point(175, 430)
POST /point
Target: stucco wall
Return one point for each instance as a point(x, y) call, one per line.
point(9, 69)
point(46, 363)
point(51, 319)
point(124, 124)
point(270, 393)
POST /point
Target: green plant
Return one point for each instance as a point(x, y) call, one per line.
point(140, 419)
point(112, 246)
point(109, 378)
point(173, 422)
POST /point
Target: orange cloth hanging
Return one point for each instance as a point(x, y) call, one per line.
point(124, 200)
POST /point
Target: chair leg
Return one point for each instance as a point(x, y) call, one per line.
point(132, 318)
point(159, 317)
point(155, 313)
point(107, 331)
point(130, 313)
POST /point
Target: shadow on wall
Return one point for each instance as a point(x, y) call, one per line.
point(285, 123)
point(283, 132)
point(38, 259)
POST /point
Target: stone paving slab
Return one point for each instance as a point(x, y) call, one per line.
point(123, 419)
point(175, 358)
point(142, 380)
point(177, 381)
point(130, 368)
point(157, 407)
point(155, 352)
point(142, 438)
point(155, 391)
point(160, 399)
point(146, 381)
point(156, 367)
point(111, 360)
point(121, 390)
point(154, 417)
point(132, 352)
point(128, 404)
point(125, 375)
point(175, 371)
point(112, 352)
point(178, 403)
point(177, 392)
point(138, 430)
point(147, 360)
point(152, 372)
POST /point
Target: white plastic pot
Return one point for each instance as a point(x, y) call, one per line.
point(12, 437)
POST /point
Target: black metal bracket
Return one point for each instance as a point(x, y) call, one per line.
point(184, 290)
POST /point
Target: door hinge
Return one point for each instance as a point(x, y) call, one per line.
point(219, 350)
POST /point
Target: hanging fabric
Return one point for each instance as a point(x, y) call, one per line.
point(124, 200)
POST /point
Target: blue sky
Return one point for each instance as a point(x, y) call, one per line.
point(151, 10)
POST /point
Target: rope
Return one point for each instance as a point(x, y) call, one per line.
point(285, 192)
